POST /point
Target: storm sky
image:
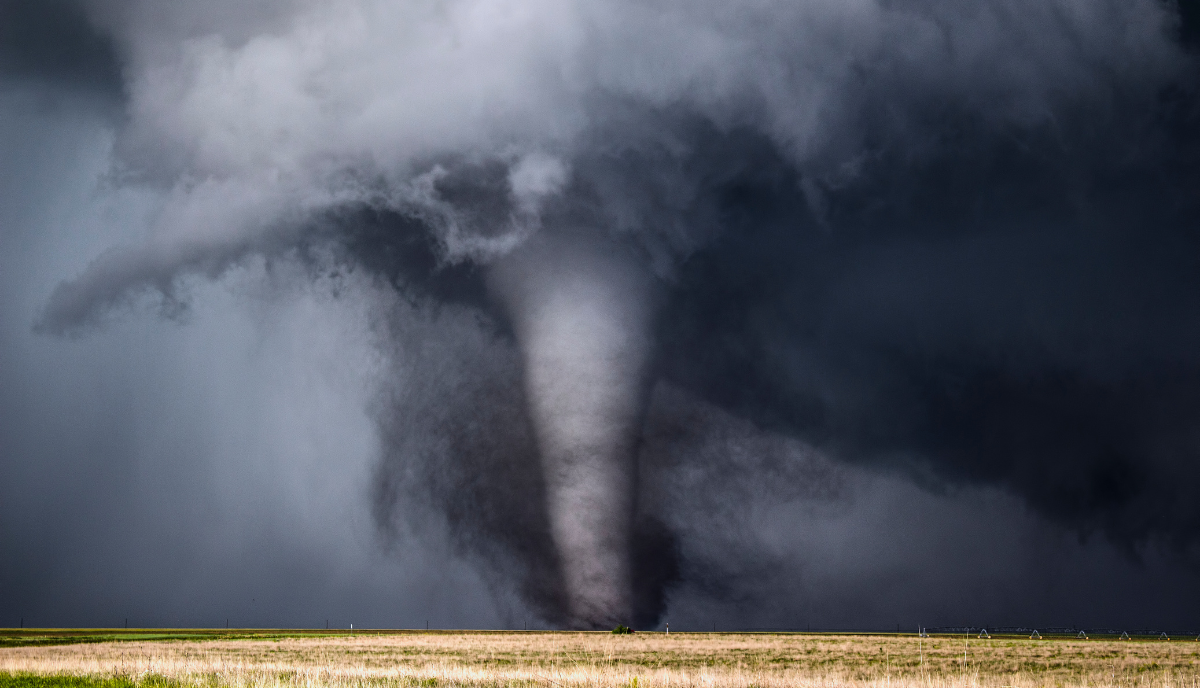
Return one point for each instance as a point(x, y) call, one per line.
point(828, 314)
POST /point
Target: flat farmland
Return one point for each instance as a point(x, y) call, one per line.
point(642, 660)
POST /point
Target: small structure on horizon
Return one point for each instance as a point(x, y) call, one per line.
point(984, 634)
point(1082, 636)
point(1164, 636)
point(1035, 635)
point(1124, 636)
point(925, 634)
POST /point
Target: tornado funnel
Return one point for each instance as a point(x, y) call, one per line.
point(582, 310)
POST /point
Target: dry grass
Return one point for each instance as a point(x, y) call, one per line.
point(642, 660)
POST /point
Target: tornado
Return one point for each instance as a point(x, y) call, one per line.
point(581, 310)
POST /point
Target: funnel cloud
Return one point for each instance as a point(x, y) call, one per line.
point(583, 322)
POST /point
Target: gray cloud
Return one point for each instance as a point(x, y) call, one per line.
point(875, 245)
point(54, 41)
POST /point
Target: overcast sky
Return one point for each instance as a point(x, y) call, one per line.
point(923, 306)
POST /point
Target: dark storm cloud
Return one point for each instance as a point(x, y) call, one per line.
point(952, 243)
point(54, 40)
point(1014, 307)
point(170, 475)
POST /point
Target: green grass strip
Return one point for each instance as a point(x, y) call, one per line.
point(67, 681)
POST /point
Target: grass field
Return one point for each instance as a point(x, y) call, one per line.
point(283, 659)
